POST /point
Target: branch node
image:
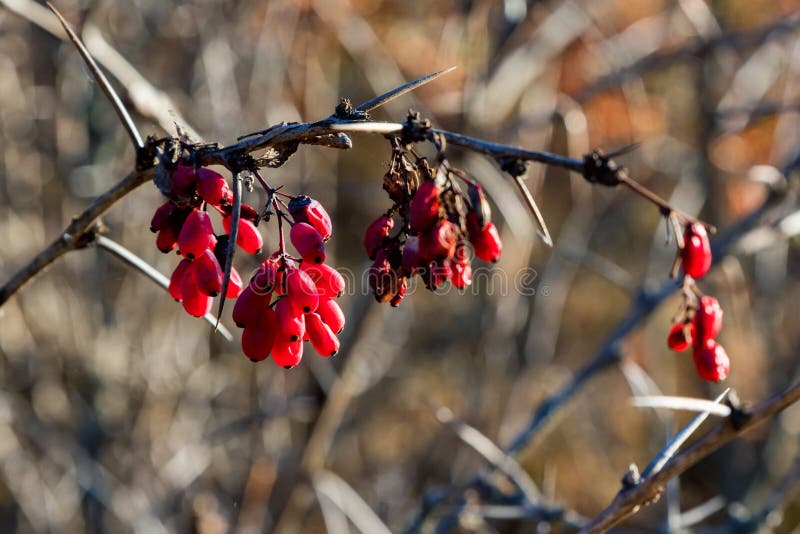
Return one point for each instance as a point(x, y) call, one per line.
point(599, 168)
point(513, 166)
point(347, 112)
point(415, 129)
point(632, 478)
point(739, 415)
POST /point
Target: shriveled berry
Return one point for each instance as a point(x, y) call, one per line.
point(167, 238)
point(208, 273)
point(308, 210)
point(410, 263)
point(330, 283)
point(435, 274)
point(291, 323)
point(332, 315)
point(376, 233)
point(196, 235)
point(424, 207)
point(176, 280)
point(711, 361)
point(287, 354)
point(248, 238)
point(250, 305)
point(707, 319)
point(211, 186)
point(438, 242)
point(301, 291)
point(321, 336)
point(258, 337)
point(696, 253)
point(479, 205)
point(680, 336)
point(401, 293)
point(195, 302)
point(308, 242)
point(383, 278)
point(161, 216)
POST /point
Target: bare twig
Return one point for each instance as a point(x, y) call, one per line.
point(682, 403)
point(149, 271)
point(102, 81)
point(348, 501)
point(630, 499)
point(380, 100)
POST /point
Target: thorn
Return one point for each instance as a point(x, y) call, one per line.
point(388, 96)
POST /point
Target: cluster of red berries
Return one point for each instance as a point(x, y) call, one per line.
point(440, 228)
point(701, 319)
point(303, 310)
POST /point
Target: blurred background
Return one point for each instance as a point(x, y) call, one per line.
point(118, 412)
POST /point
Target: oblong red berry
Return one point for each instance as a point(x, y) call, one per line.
point(321, 336)
point(301, 291)
point(291, 323)
point(401, 293)
point(376, 233)
point(328, 280)
point(250, 305)
point(268, 276)
point(248, 237)
point(212, 187)
point(184, 178)
point(711, 361)
point(424, 207)
point(176, 280)
point(707, 319)
point(696, 254)
point(680, 336)
point(308, 210)
point(287, 354)
point(332, 315)
point(195, 302)
point(208, 273)
point(486, 243)
point(196, 234)
point(258, 337)
point(167, 238)
point(234, 285)
point(308, 242)
point(461, 274)
point(161, 216)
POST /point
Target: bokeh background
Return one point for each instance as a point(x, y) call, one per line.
point(118, 412)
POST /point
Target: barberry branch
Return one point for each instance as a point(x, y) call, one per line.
point(630, 499)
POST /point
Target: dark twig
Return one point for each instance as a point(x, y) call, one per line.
point(102, 81)
point(236, 214)
point(630, 499)
point(150, 272)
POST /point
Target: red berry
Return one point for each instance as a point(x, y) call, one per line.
point(401, 292)
point(291, 323)
point(248, 238)
point(306, 209)
point(258, 337)
point(234, 285)
point(321, 336)
point(330, 283)
point(376, 233)
point(382, 278)
point(184, 178)
point(196, 234)
point(707, 319)
point(711, 361)
point(167, 238)
point(461, 275)
point(308, 242)
point(439, 242)
point(176, 280)
point(268, 276)
point(696, 253)
point(194, 301)
point(250, 305)
point(331, 314)
point(208, 273)
point(301, 291)
point(436, 273)
point(424, 207)
point(212, 187)
point(161, 216)
point(680, 336)
point(287, 354)
point(486, 241)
